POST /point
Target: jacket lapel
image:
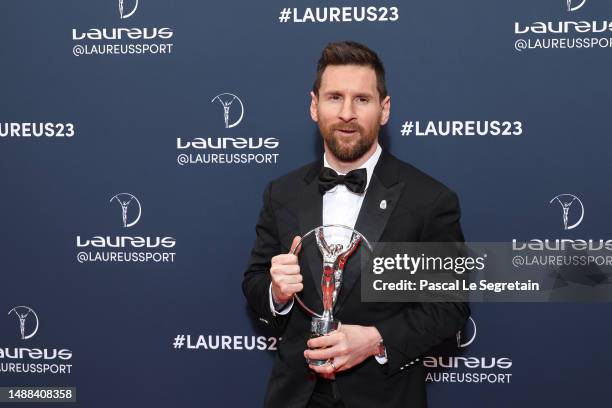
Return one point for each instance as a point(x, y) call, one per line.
point(310, 216)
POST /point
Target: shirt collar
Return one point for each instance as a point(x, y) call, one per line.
point(368, 165)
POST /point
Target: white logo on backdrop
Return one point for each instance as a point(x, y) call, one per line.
point(566, 201)
point(125, 200)
point(122, 12)
point(23, 312)
point(571, 7)
point(227, 100)
point(461, 341)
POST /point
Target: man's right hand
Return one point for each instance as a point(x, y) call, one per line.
point(285, 273)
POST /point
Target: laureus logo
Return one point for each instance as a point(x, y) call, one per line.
point(28, 321)
point(227, 100)
point(124, 12)
point(573, 5)
point(467, 335)
point(123, 9)
point(130, 208)
point(572, 209)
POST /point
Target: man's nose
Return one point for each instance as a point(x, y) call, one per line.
point(347, 111)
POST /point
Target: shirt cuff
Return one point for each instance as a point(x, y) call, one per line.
point(277, 309)
point(382, 359)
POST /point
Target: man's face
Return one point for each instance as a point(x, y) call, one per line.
point(348, 110)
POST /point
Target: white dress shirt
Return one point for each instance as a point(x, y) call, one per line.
point(340, 206)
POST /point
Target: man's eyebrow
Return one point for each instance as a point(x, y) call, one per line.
point(332, 92)
point(359, 94)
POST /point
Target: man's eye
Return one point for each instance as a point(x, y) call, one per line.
point(362, 100)
point(334, 97)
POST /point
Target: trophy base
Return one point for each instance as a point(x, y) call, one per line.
point(320, 327)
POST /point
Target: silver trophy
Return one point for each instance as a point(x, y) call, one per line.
point(336, 244)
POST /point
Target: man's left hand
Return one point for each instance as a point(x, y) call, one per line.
point(347, 346)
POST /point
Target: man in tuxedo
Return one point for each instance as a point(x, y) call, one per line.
point(374, 358)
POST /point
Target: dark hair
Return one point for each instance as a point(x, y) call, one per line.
point(351, 53)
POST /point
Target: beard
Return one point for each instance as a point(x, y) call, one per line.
point(348, 148)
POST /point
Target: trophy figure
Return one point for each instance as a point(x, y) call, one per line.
point(336, 244)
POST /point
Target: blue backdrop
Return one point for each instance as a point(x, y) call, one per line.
point(126, 98)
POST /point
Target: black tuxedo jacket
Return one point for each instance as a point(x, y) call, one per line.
point(419, 209)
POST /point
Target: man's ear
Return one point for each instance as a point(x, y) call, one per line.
point(386, 110)
point(314, 102)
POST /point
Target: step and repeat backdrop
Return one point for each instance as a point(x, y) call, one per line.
point(136, 138)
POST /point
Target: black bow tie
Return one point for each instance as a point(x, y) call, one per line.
point(354, 180)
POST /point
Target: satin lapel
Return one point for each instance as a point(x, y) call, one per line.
point(371, 222)
point(310, 216)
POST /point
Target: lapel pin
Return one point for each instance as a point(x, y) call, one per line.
point(383, 205)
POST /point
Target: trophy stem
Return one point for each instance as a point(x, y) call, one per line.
point(320, 326)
